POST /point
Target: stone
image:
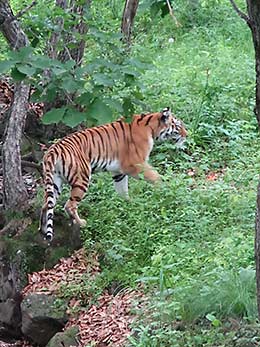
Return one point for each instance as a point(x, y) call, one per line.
point(44, 305)
point(67, 338)
point(42, 318)
point(39, 330)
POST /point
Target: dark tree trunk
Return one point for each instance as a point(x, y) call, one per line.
point(257, 248)
point(15, 194)
point(77, 51)
point(253, 8)
point(72, 48)
point(128, 19)
point(253, 21)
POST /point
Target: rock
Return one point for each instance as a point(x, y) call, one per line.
point(67, 338)
point(41, 318)
point(40, 329)
point(10, 298)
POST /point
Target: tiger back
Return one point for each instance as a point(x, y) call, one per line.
point(119, 147)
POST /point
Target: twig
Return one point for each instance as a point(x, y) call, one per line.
point(242, 14)
point(25, 163)
point(172, 14)
point(24, 10)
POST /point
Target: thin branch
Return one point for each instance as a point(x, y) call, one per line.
point(172, 14)
point(23, 11)
point(241, 14)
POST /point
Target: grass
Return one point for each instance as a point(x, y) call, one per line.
point(190, 241)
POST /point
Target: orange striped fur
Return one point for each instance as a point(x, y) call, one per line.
point(119, 147)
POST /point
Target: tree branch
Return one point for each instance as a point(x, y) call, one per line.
point(241, 14)
point(23, 11)
point(172, 14)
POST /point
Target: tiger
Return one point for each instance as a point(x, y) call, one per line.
point(122, 148)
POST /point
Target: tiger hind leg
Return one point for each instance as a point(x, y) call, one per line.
point(78, 190)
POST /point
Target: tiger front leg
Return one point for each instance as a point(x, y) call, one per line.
point(147, 171)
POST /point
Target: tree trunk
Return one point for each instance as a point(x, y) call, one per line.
point(76, 53)
point(253, 21)
point(257, 248)
point(68, 39)
point(253, 8)
point(128, 19)
point(15, 194)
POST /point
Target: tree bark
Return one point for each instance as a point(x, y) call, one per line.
point(76, 53)
point(252, 19)
point(15, 194)
point(128, 19)
point(253, 8)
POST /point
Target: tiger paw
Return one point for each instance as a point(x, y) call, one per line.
point(82, 223)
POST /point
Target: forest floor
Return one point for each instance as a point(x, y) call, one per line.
point(104, 321)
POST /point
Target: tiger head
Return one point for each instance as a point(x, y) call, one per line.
point(171, 128)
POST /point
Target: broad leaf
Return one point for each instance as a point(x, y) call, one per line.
point(69, 85)
point(6, 65)
point(53, 116)
point(114, 104)
point(102, 79)
point(17, 75)
point(26, 69)
point(73, 118)
point(100, 111)
point(85, 98)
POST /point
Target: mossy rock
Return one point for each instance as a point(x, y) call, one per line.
point(66, 338)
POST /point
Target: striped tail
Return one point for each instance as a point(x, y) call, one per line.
point(47, 212)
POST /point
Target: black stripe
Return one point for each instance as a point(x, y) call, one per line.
point(122, 127)
point(81, 187)
point(56, 188)
point(132, 139)
point(49, 225)
point(77, 198)
point(73, 177)
point(140, 118)
point(115, 130)
point(50, 216)
point(118, 178)
point(108, 135)
point(50, 194)
point(148, 120)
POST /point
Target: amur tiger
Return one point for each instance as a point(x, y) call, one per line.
point(119, 147)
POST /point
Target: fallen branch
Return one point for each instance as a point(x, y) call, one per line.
point(172, 14)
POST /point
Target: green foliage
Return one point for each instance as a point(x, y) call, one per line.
point(230, 294)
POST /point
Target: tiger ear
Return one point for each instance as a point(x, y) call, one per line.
point(165, 114)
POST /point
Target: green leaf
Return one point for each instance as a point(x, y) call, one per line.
point(128, 107)
point(22, 55)
point(100, 111)
point(85, 98)
point(69, 84)
point(102, 79)
point(114, 104)
point(73, 117)
point(6, 65)
point(54, 116)
point(26, 69)
point(42, 62)
point(17, 75)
